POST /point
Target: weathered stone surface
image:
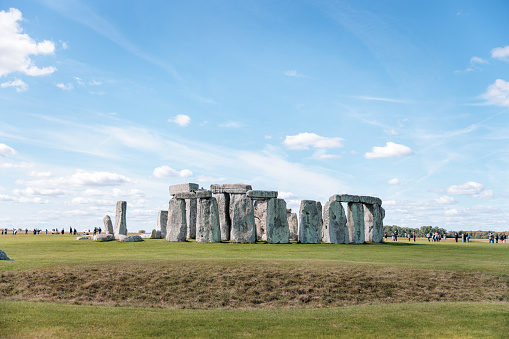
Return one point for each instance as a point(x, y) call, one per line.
point(104, 237)
point(261, 195)
point(182, 188)
point(84, 237)
point(355, 222)
point(345, 198)
point(242, 217)
point(4, 256)
point(162, 221)
point(176, 229)
point(207, 223)
point(191, 217)
point(223, 206)
point(293, 224)
point(277, 224)
point(120, 220)
point(202, 194)
point(108, 226)
point(230, 188)
point(373, 223)
point(334, 224)
point(370, 200)
point(129, 238)
point(310, 223)
point(260, 214)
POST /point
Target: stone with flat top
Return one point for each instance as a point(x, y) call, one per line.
point(261, 195)
point(183, 188)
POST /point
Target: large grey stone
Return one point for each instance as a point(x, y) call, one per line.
point(355, 222)
point(120, 219)
point(162, 221)
point(223, 206)
point(108, 226)
point(207, 223)
point(202, 194)
point(344, 198)
point(293, 224)
point(261, 195)
point(129, 238)
point(334, 224)
point(191, 217)
point(104, 237)
point(260, 214)
point(182, 188)
point(310, 223)
point(4, 256)
point(370, 200)
point(242, 217)
point(277, 224)
point(231, 188)
point(84, 237)
point(373, 223)
point(176, 229)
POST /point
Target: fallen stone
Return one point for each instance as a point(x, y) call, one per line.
point(277, 224)
point(310, 223)
point(129, 238)
point(120, 220)
point(370, 200)
point(242, 217)
point(207, 221)
point(262, 195)
point(191, 218)
point(176, 229)
point(334, 224)
point(355, 222)
point(223, 206)
point(4, 256)
point(183, 188)
point(162, 221)
point(104, 237)
point(230, 188)
point(260, 215)
point(108, 226)
point(202, 194)
point(84, 237)
point(293, 224)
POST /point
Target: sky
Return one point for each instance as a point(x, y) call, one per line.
point(102, 101)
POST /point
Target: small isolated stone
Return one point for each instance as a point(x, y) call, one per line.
point(108, 226)
point(4, 256)
point(129, 238)
point(262, 195)
point(104, 237)
point(84, 237)
point(183, 188)
point(162, 221)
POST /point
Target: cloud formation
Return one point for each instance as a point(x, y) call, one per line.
point(501, 53)
point(390, 150)
point(305, 140)
point(393, 181)
point(498, 93)
point(20, 85)
point(6, 150)
point(167, 172)
point(16, 47)
point(472, 188)
point(181, 120)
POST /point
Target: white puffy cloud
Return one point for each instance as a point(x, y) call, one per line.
point(80, 179)
point(66, 87)
point(393, 181)
point(472, 188)
point(451, 212)
point(20, 85)
point(23, 200)
point(181, 120)
point(16, 47)
point(498, 93)
point(6, 150)
point(167, 171)
point(445, 200)
point(501, 53)
point(390, 150)
point(31, 191)
point(305, 140)
point(37, 174)
point(286, 195)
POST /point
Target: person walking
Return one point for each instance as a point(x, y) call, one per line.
point(496, 238)
point(413, 235)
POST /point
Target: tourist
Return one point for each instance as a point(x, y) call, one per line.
point(385, 236)
point(496, 238)
point(428, 236)
point(99, 230)
point(414, 236)
point(490, 237)
point(74, 231)
point(409, 237)
point(467, 236)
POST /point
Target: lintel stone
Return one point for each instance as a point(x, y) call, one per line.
point(262, 195)
point(370, 200)
point(202, 194)
point(183, 188)
point(230, 188)
point(345, 198)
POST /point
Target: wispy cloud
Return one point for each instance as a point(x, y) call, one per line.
point(66, 87)
point(293, 73)
point(369, 98)
point(231, 124)
point(20, 85)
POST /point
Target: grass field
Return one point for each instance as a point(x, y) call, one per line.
point(60, 287)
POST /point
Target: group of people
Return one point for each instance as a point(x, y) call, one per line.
point(495, 238)
point(435, 236)
point(38, 231)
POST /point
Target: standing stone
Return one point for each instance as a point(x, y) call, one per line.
point(276, 222)
point(191, 218)
point(260, 214)
point(223, 206)
point(108, 226)
point(355, 222)
point(176, 229)
point(373, 223)
point(242, 218)
point(293, 224)
point(120, 222)
point(162, 221)
point(334, 224)
point(207, 223)
point(310, 223)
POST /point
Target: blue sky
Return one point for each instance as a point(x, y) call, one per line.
point(116, 100)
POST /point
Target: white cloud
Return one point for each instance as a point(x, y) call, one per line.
point(393, 181)
point(6, 150)
point(204, 178)
point(181, 120)
point(36, 200)
point(79, 81)
point(94, 83)
point(390, 150)
point(472, 188)
point(304, 140)
point(391, 131)
point(477, 60)
point(498, 93)
point(321, 154)
point(31, 191)
point(294, 73)
point(445, 200)
point(167, 171)
point(501, 53)
point(17, 165)
point(116, 193)
point(79, 179)
point(230, 124)
point(37, 174)
point(396, 101)
point(20, 85)
point(451, 212)
point(286, 195)
point(65, 87)
point(16, 47)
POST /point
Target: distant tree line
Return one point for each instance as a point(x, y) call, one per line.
point(421, 232)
